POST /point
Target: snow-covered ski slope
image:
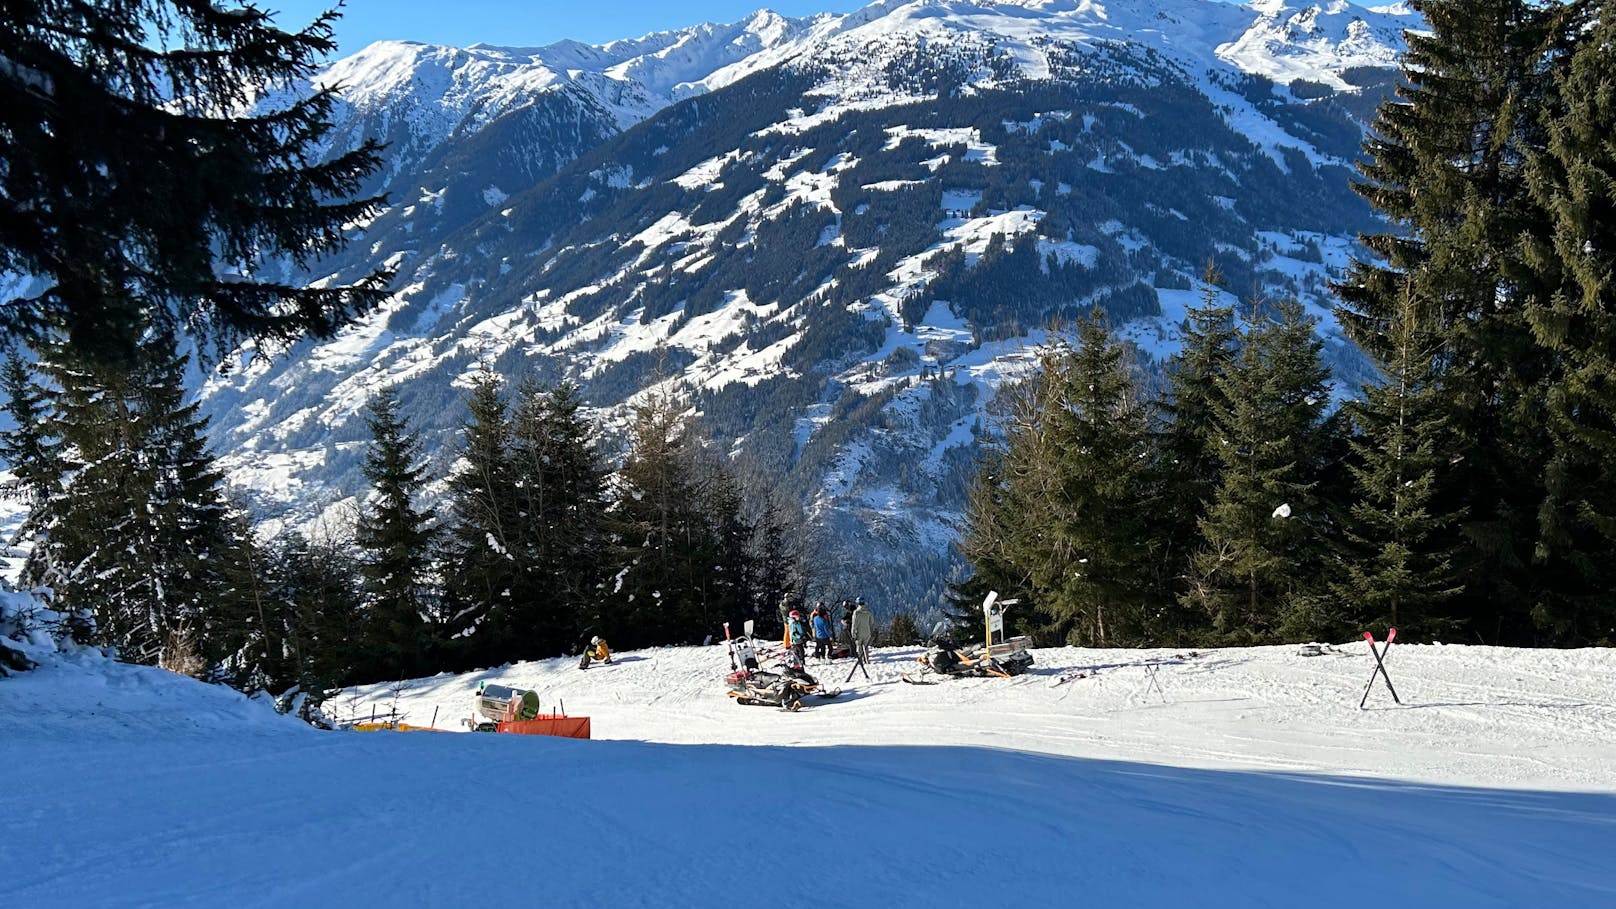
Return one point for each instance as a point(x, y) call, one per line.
point(1249, 779)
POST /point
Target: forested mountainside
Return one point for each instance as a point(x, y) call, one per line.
point(836, 235)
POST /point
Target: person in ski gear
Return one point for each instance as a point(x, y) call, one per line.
point(822, 631)
point(863, 629)
point(597, 651)
point(785, 621)
point(797, 636)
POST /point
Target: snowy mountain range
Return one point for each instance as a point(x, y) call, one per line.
point(839, 234)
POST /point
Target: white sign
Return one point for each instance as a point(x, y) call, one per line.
point(994, 613)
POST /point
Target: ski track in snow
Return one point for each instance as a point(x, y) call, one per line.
point(1249, 779)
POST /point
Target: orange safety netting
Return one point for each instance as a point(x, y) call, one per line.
point(569, 727)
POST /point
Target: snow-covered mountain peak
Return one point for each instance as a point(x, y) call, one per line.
point(840, 256)
point(1279, 39)
point(1318, 42)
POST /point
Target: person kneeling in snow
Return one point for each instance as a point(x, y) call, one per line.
point(596, 651)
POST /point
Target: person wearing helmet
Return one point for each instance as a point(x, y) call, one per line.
point(797, 634)
point(597, 651)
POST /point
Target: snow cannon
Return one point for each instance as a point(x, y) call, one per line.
point(515, 710)
point(498, 703)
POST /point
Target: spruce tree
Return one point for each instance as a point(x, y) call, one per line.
point(138, 534)
point(1186, 452)
point(724, 594)
point(244, 620)
point(987, 527)
point(480, 570)
point(1574, 180)
point(161, 166)
point(665, 536)
point(312, 584)
point(775, 567)
point(395, 538)
point(1264, 530)
point(561, 538)
point(1446, 165)
point(1398, 571)
point(1013, 506)
point(29, 449)
point(1100, 579)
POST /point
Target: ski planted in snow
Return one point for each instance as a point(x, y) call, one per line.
point(1381, 654)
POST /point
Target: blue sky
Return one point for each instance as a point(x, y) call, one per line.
point(518, 23)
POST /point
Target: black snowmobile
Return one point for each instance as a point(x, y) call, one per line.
point(784, 687)
point(945, 657)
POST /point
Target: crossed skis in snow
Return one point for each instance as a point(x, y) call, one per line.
point(1381, 655)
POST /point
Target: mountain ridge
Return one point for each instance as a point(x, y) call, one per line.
point(823, 247)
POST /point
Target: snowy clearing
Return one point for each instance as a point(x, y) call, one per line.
point(1249, 778)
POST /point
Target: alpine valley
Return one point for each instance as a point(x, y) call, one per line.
point(835, 236)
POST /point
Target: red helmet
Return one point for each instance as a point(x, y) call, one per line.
point(795, 614)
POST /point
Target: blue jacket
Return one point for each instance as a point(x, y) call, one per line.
point(799, 634)
point(821, 627)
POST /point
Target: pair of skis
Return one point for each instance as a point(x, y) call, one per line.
point(1381, 655)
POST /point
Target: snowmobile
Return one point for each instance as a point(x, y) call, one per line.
point(784, 687)
point(945, 657)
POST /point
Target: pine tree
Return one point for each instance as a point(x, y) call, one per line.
point(1447, 166)
point(987, 522)
point(1100, 579)
point(28, 448)
point(1399, 570)
point(1574, 179)
point(901, 631)
point(665, 535)
point(1012, 508)
point(724, 594)
point(774, 569)
point(138, 533)
point(561, 540)
point(312, 584)
point(32, 456)
point(481, 574)
point(244, 620)
point(145, 182)
point(396, 541)
point(1264, 529)
point(1186, 452)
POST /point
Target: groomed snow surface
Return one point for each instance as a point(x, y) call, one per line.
point(1249, 778)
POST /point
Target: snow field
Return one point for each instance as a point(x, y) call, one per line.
point(1250, 779)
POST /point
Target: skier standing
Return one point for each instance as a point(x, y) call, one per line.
point(785, 620)
point(822, 630)
point(797, 637)
point(863, 630)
